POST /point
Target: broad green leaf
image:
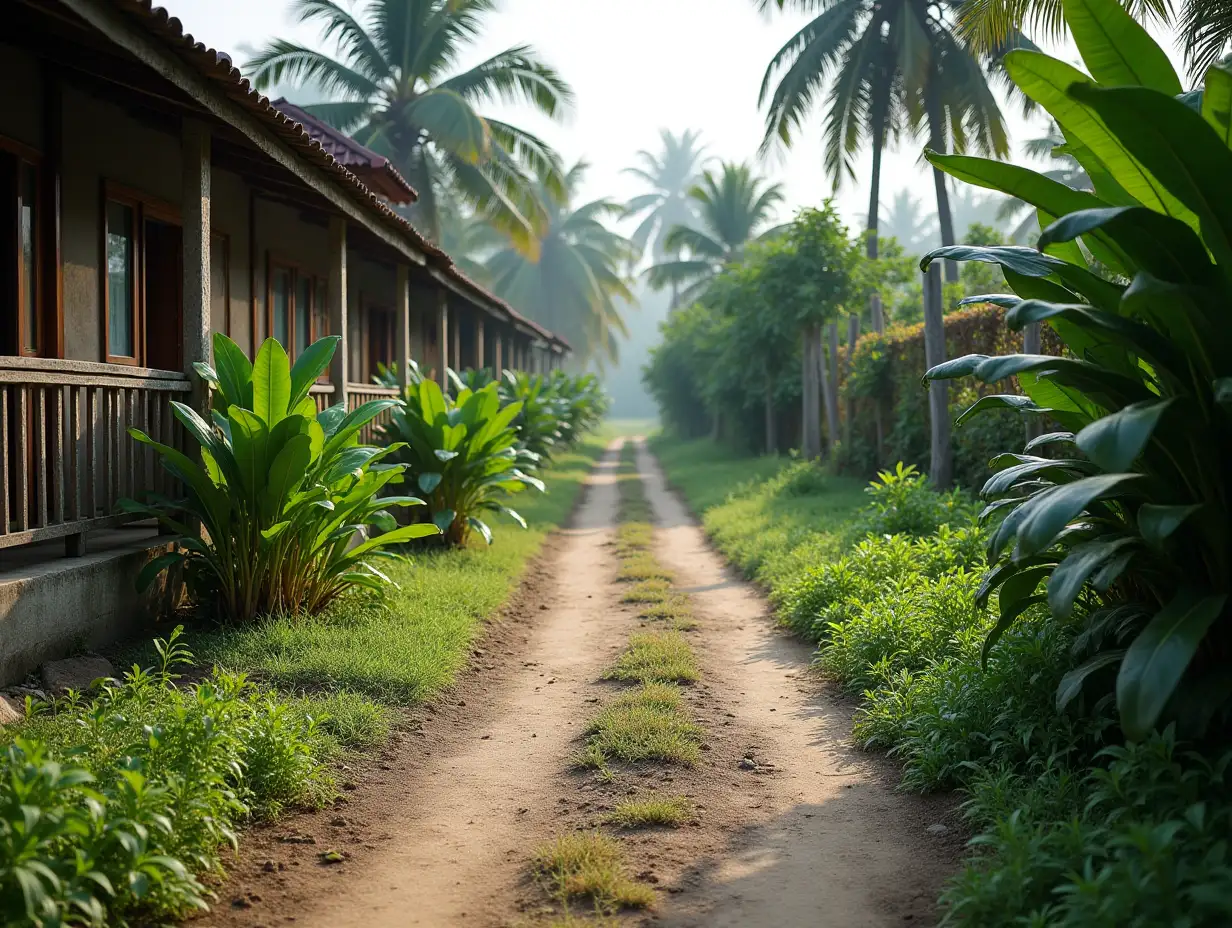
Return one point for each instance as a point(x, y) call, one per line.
point(429, 482)
point(1157, 522)
point(1180, 150)
point(234, 371)
point(1014, 598)
point(1044, 516)
point(155, 566)
point(444, 519)
point(1115, 441)
point(1164, 246)
point(271, 383)
point(286, 471)
point(1144, 340)
point(1116, 49)
point(1072, 573)
point(1049, 83)
point(1022, 404)
point(1004, 300)
point(1217, 102)
point(1071, 684)
point(481, 527)
point(311, 364)
point(1049, 438)
point(1159, 656)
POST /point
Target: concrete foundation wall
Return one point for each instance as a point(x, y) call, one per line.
point(52, 606)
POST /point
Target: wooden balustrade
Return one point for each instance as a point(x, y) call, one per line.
point(68, 459)
point(360, 393)
point(323, 395)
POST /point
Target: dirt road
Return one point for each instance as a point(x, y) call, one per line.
point(439, 830)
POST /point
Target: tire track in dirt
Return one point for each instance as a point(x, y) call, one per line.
point(830, 843)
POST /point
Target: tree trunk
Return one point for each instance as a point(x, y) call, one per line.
point(829, 385)
point(936, 141)
point(941, 460)
point(874, 299)
point(849, 410)
point(810, 426)
point(1031, 344)
point(771, 438)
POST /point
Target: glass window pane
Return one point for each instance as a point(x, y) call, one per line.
point(26, 222)
point(120, 251)
point(303, 313)
point(282, 305)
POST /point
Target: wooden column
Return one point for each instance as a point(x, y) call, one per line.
point(442, 340)
point(402, 325)
point(456, 364)
point(195, 152)
point(499, 359)
point(481, 360)
point(338, 305)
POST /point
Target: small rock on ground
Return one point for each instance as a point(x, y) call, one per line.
point(75, 673)
point(937, 829)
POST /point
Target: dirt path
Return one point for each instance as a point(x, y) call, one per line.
point(438, 830)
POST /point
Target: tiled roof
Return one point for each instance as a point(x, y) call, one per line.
point(218, 68)
point(376, 171)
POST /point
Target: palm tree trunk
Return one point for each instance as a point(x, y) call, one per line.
point(941, 458)
point(771, 437)
point(829, 386)
point(849, 409)
point(874, 203)
point(936, 141)
point(810, 426)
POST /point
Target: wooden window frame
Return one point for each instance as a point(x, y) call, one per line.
point(144, 206)
point(27, 155)
point(296, 270)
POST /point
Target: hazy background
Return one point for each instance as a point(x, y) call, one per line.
point(636, 66)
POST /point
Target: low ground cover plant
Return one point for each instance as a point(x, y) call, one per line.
point(281, 490)
point(112, 807)
point(1075, 825)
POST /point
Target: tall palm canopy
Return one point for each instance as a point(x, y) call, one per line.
point(733, 208)
point(396, 88)
point(574, 284)
point(670, 176)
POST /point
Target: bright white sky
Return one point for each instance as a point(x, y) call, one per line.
point(636, 66)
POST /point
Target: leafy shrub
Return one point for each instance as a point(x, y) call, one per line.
point(281, 491)
point(901, 502)
point(460, 454)
point(1134, 516)
point(109, 809)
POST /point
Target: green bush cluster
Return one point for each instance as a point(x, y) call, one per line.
point(112, 807)
point(1074, 826)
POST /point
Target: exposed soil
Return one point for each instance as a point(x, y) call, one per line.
point(439, 829)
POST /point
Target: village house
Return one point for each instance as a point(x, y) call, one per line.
point(149, 197)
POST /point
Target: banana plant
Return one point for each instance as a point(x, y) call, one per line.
point(1119, 519)
point(462, 455)
point(287, 496)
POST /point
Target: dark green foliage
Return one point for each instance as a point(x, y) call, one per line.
point(460, 455)
point(281, 491)
point(110, 808)
point(1124, 529)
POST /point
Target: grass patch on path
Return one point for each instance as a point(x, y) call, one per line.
point(590, 867)
point(649, 723)
point(656, 657)
point(653, 811)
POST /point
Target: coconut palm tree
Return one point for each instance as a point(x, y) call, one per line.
point(573, 283)
point(734, 207)
point(670, 176)
point(395, 86)
point(890, 66)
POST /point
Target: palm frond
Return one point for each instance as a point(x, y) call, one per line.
point(516, 75)
point(355, 44)
point(282, 60)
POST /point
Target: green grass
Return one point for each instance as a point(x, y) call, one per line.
point(651, 812)
point(656, 657)
point(590, 866)
point(405, 651)
point(641, 565)
point(649, 723)
point(773, 517)
point(648, 591)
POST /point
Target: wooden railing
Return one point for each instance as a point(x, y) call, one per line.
point(68, 459)
point(360, 393)
point(323, 394)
